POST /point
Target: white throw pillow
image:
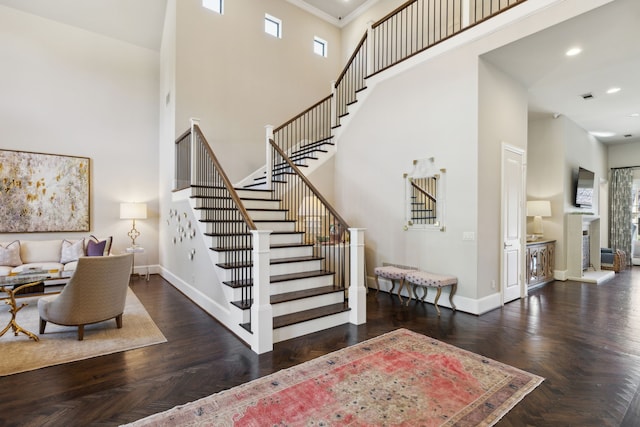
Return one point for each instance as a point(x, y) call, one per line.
point(71, 251)
point(10, 254)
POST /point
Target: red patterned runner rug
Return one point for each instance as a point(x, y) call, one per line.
point(401, 378)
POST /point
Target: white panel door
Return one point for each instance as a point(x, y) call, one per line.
point(512, 223)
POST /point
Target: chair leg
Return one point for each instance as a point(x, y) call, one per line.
point(377, 286)
point(80, 332)
point(43, 324)
point(119, 321)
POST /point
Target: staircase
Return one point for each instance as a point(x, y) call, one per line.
point(295, 278)
point(301, 290)
point(308, 276)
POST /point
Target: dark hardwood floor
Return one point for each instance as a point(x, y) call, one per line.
point(584, 339)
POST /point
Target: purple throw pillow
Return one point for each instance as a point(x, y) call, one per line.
point(95, 248)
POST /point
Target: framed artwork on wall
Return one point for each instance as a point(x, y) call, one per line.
point(43, 192)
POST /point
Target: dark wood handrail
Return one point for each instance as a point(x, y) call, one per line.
point(227, 183)
point(303, 113)
point(308, 183)
point(393, 13)
point(423, 191)
point(183, 136)
point(353, 56)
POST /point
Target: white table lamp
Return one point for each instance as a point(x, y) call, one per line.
point(538, 209)
point(133, 211)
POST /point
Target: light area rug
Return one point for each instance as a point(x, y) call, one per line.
point(398, 379)
point(59, 344)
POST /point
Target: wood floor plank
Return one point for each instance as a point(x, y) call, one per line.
point(584, 339)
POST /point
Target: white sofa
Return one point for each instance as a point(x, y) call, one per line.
point(60, 255)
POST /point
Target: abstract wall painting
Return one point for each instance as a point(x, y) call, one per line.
point(43, 192)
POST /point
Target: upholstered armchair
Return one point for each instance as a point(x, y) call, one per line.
point(96, 292)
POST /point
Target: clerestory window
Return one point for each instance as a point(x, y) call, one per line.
point(320, 46)
point(215, 5)
point(272, 26)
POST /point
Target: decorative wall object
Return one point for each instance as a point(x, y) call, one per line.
point(43, 192)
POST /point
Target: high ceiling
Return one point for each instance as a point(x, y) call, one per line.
point(608, 37)
point(610, 58)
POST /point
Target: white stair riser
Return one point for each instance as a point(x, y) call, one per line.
point(267, 215)
point(281, 239)
point(261, 204)
point(301, 284)
point(307, 303)
point(276, 226)
point(294, 267)
point(248, 194)
point(289, 252)
point(308, 327)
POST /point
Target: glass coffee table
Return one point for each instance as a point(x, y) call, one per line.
point(20, 284)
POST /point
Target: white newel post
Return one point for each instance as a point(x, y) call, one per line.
point(261, 311)
point(269, 156)
point(357, 289)
point(370, 48)
point(194, 153)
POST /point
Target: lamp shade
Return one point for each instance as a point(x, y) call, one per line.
point(133, 210)
point(539, 208)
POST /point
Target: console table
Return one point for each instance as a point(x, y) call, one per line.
point(540, 262)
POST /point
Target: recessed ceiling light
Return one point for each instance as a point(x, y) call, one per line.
point(634, 115)
point(573, 51)
point(613, 90)
point(602, 134)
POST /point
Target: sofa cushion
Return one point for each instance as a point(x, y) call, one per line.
point(4, 270)
point(33, 251)
point(96, 248)
point(71, 251)
point(95, 245)
point(10, 254)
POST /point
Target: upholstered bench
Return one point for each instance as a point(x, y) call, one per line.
point(427, 280)
point(392, 273)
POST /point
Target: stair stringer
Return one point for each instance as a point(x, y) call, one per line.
point(227, 314)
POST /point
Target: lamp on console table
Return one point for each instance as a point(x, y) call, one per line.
point(133, 211)
point(538, 209)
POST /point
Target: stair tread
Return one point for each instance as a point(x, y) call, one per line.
point(280, 278)
point(240, 264)
point(304, 316)
point(273, 246)
point(248, 234)
point(306, 293)
point(295, 259)
point(302, 275)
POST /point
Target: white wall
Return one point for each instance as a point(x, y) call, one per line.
point(624, 155)
point(414, 116)
point(546, 177)
point(72, 92)
point(502, 119)
point(557, 147)
point(237, 78)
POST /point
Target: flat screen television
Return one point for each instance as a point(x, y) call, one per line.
point(584, 188)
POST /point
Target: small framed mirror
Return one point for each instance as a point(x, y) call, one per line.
point(424, 196)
